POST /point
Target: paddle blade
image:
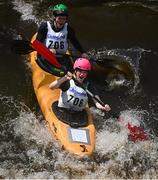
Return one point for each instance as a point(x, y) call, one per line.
point(46, 53)
point(137, 133)
point(21, 47)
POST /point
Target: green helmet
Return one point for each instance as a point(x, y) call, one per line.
point(59, 10)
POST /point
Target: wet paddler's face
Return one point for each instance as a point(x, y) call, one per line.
point(60, 21)
point(81, 75)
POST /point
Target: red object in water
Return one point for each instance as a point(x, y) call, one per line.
point(137, 133)
point(46, 53)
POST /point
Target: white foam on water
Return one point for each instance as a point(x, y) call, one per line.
point(29, 126)
point(33, 153)
point(107, 142)
point(122, 158)
point(26, 9)
point(109, 139)
point(132, 117)
point(146, 4)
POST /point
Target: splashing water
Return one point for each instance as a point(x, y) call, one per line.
point(29, 11)
point(126, 61)
point(28, 150)
point(26, 9)
point(120, 157)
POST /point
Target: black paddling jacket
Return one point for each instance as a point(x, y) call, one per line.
point(42, 33)
point(87, 85)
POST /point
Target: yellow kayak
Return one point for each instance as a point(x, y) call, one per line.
point(79, 140)
point(76, 140)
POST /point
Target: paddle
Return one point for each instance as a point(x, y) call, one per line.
point(25, 47)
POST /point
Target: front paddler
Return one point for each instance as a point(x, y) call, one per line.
point(73, 87)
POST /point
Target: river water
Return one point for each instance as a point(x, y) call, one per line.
point(27, 150)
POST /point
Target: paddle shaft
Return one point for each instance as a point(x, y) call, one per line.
point(95, 98)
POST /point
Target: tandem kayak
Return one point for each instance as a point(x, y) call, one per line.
point(75, 131)
point(113, 71)
point(76, 136)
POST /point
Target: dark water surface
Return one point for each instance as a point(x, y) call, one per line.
point(123, 28)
